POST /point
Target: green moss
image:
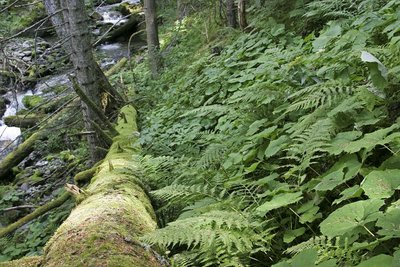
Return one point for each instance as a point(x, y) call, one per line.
point(36, 177)
point(31, 101)
point(24, 262)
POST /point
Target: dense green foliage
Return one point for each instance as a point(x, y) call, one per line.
point(282, 149)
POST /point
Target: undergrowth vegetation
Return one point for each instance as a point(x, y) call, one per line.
point(283, 148)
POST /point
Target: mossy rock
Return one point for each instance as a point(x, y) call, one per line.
point(112, 2)
point(127, 9)
point(31, 101)
point(3, 105)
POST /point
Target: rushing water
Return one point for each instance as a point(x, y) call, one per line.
point(9, 135)
point(111, 16)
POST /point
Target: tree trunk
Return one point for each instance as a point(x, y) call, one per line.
point(72, 26)
point(231, 13)
point(153, 44)
point(242, 14)
point(86, 68)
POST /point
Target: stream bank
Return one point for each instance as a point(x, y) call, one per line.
point(43, 174)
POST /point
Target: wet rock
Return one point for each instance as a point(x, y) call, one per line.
point(3, 105)
point(28, 161)
point(3, 90)
point(31, 58)
point(96, 16)
point(24, 187)
point(111, 2)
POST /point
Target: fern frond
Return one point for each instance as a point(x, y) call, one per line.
point(308, 145)
point(215, 109)
point(212, 155)
point(184, 193)
point(217, 234)
point(317, 95)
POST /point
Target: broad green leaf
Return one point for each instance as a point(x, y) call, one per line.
point(349, 193)
point(233, 158)
point(368, 142)
point(345, 169)
point(350, 217)
point(341, 141)
point(265, 133)
point(275, 146)
point(310, 215)
point(381, 184)
point(390, 223)
point(378, 71)
point(291, 235)
point(391, 163)
point(332, 32)
point(330, 181)
point(307, 257)
point(381, 260)
point(279, 201)
point(393, 206)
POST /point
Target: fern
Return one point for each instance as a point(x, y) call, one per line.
point(218, 234)
point(211, 156)
point(317, 95)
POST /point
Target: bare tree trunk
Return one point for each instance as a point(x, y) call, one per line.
point(53, 8)
point(242, 14)
point(153, 43)
point(72, 24)
point(231, 13)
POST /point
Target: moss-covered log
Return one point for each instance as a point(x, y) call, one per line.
point(86, 175)
point(22, 121)
point(103, 229)
point(24, 262)
point(15, 157)
point(117, 67)
point(24, 149)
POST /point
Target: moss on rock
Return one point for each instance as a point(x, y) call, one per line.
point(31, 101)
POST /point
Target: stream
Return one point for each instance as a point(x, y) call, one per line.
point(107, 54)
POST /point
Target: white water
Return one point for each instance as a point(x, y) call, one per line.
point(111, 16)
point(11, 133)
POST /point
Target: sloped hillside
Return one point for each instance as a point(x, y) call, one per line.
point(277, 146)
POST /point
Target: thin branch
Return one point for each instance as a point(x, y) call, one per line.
point(30, 27)
point(9, 6)
point(19, 208)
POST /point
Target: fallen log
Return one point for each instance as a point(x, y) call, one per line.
point(24, 149)
point(103, 230)
point(125, 30)
point(33, 261)
point(113, 212)
point(22, 121)
point(18, 155)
